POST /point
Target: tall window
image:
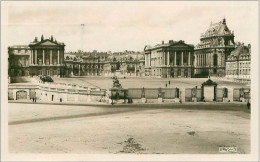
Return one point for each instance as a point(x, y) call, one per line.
point(215, 60)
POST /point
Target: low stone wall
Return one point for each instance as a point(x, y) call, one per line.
point(55, 93)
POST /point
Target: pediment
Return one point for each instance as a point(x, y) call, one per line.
point(48, 43)
point(180, 44)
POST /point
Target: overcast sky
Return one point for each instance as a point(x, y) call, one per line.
point(118, 26)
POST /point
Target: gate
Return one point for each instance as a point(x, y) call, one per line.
point(21, 95)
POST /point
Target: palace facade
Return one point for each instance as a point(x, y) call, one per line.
point(40, 57)
point(104, 64)
point(238, 64)
point(172, 59)
point(47, 57)
point(85, 63)
point(215, 55)
point(211, 53)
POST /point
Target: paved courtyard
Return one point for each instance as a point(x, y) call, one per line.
point(147, 82)
point(154, 129)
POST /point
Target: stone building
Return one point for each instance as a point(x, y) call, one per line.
point(172, 59)
point(104, 64)
point(94, 64)
point(47, 57)
point(19, 60)
point(127, 64)
point(212, 51)
point(85, 63)
point(72, 65)
point(238, 63)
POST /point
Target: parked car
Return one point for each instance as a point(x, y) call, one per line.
point(46, 79)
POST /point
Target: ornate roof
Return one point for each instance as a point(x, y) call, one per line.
point(241, 52)
point(217, 29)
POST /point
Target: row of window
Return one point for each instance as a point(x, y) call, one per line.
point(241, 65)
point(239, 72)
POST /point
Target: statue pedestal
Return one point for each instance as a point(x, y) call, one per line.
point(143, 100)
point(160, 100)
point(194, 99)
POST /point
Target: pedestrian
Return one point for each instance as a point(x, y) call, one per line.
point(248, 105)
point(166, 85)
point(60, 99)
point(33, 99)
point(169, 82)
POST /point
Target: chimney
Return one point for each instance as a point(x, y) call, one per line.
point(36, 39)
point(170, 41)
point(249, 48)
point(51, 38)
point(162, 42)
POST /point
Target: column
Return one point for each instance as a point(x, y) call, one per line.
point(150, 60)
point(50, 57)
point(203, 59)
point(209, 63)
point(200, 60)
point(168, 58)
point(62, 57)
point(207, 60)
point(32, 57)
point(182, 58)
point(36, 57)
point(58, 57)
point(43, 57)
point(79, 69)
point(189, 59)
point(163, 58)
point(174, 58)
point(195, 61)
point(203, 62)
point(145, 58)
